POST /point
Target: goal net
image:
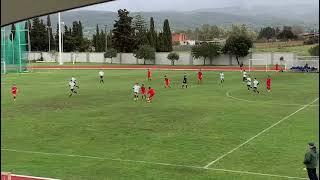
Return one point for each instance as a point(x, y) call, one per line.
point(13, 49)
point(304, 64)
point(3, 67)
point(258, 65)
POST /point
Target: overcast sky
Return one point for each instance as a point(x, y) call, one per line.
point(187, 5)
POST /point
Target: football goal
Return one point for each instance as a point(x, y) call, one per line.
point(258, 65)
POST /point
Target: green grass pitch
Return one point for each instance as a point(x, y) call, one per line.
point(101, 133)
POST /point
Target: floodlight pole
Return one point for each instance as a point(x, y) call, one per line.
point(105, 30)
point(60, 55)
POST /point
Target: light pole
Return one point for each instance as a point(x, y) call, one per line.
point(105, 30)
point(60, 55)
point(62, 36)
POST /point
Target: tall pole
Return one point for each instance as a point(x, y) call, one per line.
point(105, 30)
point(29, 44)
point(60, 55)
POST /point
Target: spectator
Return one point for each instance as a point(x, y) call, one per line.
point(311, 161)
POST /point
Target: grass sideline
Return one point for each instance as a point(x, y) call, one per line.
point(190, 127)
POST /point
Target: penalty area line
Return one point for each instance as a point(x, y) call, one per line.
point(255, 136)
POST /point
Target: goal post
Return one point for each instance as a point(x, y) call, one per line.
point(258, 65)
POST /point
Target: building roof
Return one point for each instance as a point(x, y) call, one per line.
point(13, 11)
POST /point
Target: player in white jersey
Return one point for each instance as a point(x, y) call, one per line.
point(244, 75)
point(248, 79)
point(255, 85)
point(101, 74)
point(136, 90)
point(72, 86)
point(73, 79)
point(221, 77)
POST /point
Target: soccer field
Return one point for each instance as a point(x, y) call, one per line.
point(207, 131)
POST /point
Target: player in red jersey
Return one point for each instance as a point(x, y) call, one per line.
point(14, 91)
point(149, 75)
point(151, 93)
point(143, 92)
point(269, 83)
point(200, 76)
point(166, 82)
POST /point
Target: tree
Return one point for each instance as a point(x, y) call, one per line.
point(152, 35)
point(206, 50)
point(160, 42)
point(173, 57)
point(123, 33)
point(314, 51)
point(140, 29)
point(286, 34)
point(49, 28)
point(242, 30)
point(110, 53)
point(145, 52)
point(267, 33)
point(38, 35)
point(238, 45)
point(167, 37)
point(56, 38)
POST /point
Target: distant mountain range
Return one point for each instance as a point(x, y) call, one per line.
point(254, 17)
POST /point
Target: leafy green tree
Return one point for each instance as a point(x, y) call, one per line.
point(152, 35)
point(160, 42)
point(110, 53)
point(286, 34)
point(49, 28)
point(167, 37)
point(206, 51)
point(123, 33)
point(145, 52)
point(56, 37)
point(141, 34)
point(38, 35)
point(173, 57)
point(314, 51)
point(267, 33)
point(238, 46)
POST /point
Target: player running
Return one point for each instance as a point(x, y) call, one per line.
point(151, 93)
point(255, 85)
point(149, 75)
point(221, 77)
point(268, 83)
point(73, 79)
point(101, 74)
point(72, 86)
point(166, 82)
point(248, 79)
point(200, 76)
point(185, 81)
point(136, 89)
point(244, 76)
point(14, 91)
point(143, 92)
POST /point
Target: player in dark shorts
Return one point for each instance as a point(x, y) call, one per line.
point(185, 81)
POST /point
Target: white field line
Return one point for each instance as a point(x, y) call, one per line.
point(152, 163)
point(263, 131)
point(32, 177)
point(228, 95)
point(154, 68)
